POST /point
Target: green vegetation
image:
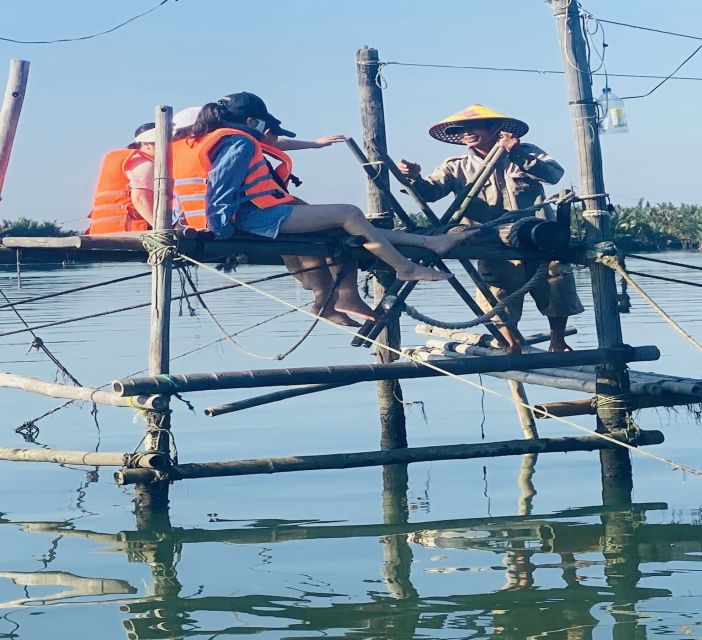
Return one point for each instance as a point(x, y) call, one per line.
point(654, 227)
point(26, 227)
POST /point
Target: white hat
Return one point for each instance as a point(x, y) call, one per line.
point(148, 136)
point(185, 117)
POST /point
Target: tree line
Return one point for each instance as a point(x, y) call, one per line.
point(643, 227)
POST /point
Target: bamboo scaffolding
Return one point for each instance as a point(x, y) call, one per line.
point(482, 339)
point(10, 111)
point(267, 398)
point(187, 382)
point(641, 382)
point(588, 406)
point(84, 458)
point(85, 394)
point(258, 250)
point(374, 458)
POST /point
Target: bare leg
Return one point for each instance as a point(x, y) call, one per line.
point(309, 218)
point(349, 300)
point(440, 244)
point(513, 345)
point(293, 265)
point(558, 327)
point(321, 283)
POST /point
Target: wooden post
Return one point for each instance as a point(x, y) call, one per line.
point(392, 412)
point(152, 498)
point(10, 113)
point(612, 379)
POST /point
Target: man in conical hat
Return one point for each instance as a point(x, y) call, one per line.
point(516, 183)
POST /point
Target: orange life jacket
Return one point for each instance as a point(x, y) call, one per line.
point(112, 210)
point(191, 166)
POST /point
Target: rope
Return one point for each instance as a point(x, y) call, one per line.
point(615, 263)
point(74, 290)
point(675, 465)
point(56, 323)
point(160, 245)
point(238, 345)
point(670, 262)
point(535, 280)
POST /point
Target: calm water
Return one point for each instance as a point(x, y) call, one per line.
point(444, 550)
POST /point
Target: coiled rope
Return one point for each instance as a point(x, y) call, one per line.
point(539, 275)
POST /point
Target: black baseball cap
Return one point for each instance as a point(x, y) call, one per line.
point(244, 105)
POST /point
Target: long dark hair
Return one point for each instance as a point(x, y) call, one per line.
point(212, 116)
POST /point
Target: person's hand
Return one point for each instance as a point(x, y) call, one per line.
point(325, 141)
point(410, 170)
point(507, 141)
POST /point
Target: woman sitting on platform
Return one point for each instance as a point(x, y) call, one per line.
point(223, 183)
point(124, 195)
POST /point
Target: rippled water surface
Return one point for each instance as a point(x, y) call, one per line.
point(435, 550)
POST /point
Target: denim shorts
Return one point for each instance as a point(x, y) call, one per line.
point(262, 222)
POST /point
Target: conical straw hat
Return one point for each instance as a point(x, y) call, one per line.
point(452, 128)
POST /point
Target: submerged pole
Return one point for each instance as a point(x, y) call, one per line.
point(612, 378)
point(389, 392)
point(153, 497)
point(10, 112)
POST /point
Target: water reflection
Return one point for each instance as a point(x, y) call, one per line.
point(617, 539)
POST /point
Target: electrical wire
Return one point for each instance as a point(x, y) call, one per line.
point(90, 36)
point(636, 26)
point(662, 82)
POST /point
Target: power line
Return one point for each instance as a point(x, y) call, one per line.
point(528, 70)
point(662, 82)
point(636, 26)
point(88, 37)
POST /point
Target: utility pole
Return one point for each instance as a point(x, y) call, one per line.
point(392, 412)
point(612, 379)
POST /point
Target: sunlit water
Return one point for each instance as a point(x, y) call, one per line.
point(437, 550)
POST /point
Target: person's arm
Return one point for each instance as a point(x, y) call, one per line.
point(230, 162)
point(143, 201)
point(288, 144)
point(536, 163)
point(141, 188)
point(440, 183)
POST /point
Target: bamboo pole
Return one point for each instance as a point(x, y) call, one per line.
point(19, 242)
point(375, 458)
point(84, 458)
point(86, 394)
point(268, 398)
point(612, 378)
point(152, 498)
point(186, 382)
point(389, 391)
point(10, 112)
point(588, 406)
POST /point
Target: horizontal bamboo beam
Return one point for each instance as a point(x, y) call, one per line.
point(587, 406)
point(349, 374)
point(258, 247)
point(86, 394)
point(268, 398)
point(86, 458)
point(375, 458)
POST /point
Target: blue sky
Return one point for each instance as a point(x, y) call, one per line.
point(86, 98)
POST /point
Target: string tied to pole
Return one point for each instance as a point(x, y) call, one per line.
point(160, 245)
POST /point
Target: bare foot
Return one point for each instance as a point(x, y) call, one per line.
point(356, 308)
point(559, 346)
point(418, 272)
point(337, 317)
point(513, 348)
point(442, 244)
